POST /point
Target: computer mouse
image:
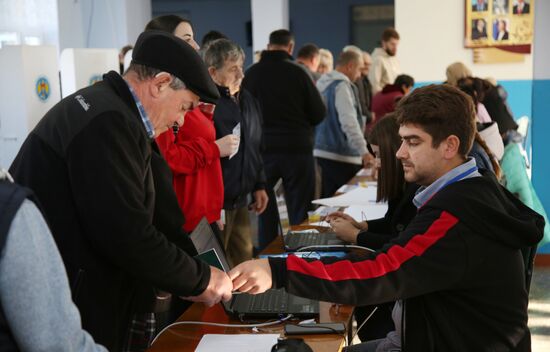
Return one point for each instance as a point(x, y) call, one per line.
point(291, 345)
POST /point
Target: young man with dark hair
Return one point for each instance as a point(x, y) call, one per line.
point(291, 108)
point(385, 66)
point(457, 271)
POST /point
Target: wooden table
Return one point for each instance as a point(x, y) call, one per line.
point(186, 337)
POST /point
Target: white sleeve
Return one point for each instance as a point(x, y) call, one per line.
point(34, 289)
point(347, 116)
point(375, 75)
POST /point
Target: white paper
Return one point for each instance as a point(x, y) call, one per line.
point(320, 224)
point(364, 172)
point(359, 196)
point(324, 211)
point(236, 132)
point(237, 343)
point(346, 188)
point(367, 212)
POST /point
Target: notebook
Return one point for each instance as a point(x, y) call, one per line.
point(273, 303)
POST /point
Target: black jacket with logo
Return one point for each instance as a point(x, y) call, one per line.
point(90, 163)
point(458, 267)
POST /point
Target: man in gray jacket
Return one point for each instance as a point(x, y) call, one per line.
point(340, 147)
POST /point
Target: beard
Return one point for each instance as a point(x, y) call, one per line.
point(390, 52)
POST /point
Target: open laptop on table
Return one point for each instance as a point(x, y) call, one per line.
point(271, 304)
point(296, 240)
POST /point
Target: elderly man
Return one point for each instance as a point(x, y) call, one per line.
point(457, 268)
point(364, 88)
point(244, 179)
point(89, 162)
point(340, 147)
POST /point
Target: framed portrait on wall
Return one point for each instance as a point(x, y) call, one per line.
point(504, 24)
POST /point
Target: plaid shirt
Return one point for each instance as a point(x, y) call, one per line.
point(143, 326)
point(141, 332)
point(143, 114)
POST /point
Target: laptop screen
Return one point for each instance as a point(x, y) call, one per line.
point(284, 220)
point(205, 240)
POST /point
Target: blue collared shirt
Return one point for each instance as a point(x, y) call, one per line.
point(143, 114)
point(461, 172)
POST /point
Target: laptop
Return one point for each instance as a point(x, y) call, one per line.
point(297, 240)
point(273, 303)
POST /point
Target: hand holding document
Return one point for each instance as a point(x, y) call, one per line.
point(237, 133)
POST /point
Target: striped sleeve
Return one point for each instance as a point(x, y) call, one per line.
point(428, 255)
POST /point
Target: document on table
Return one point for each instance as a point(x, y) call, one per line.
point(367, 212)
point(359, 196)
point(364, 172)
point(237, 343)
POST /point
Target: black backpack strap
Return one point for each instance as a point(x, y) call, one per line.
point(11, 198)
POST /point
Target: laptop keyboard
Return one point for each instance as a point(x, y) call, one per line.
point(271, 300)
point(305, 239)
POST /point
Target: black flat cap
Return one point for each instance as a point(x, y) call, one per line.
point(169, 53)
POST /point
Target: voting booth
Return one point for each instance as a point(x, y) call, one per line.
point(29, 87)
point(83, 67)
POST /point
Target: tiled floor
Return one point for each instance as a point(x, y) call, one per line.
point(539, 309)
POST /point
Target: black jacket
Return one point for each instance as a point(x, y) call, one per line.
point(497, 109)
point(244, 172)
point(400, 213)
point(291, 104)
point(457, 266)
point(89, 161)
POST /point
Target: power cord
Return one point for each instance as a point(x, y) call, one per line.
point(343, 246)
point(362, 324)
point(222, 325)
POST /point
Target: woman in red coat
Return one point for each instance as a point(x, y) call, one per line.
point(192, 152)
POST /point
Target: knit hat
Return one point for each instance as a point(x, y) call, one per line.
point(169, 53)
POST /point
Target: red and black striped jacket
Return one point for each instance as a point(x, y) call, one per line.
point(458, 267)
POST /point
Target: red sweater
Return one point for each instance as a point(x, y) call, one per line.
point(384, 101)
point(194, 159)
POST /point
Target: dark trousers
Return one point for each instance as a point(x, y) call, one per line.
point(334, 174)
point(298, 174)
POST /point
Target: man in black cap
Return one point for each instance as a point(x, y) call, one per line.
point(89, 162)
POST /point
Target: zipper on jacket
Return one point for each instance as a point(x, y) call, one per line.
point(403, 327)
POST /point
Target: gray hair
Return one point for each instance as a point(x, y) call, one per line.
point(145, 72)
point(221, 50)
point(349, 56)
point(354, 49)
